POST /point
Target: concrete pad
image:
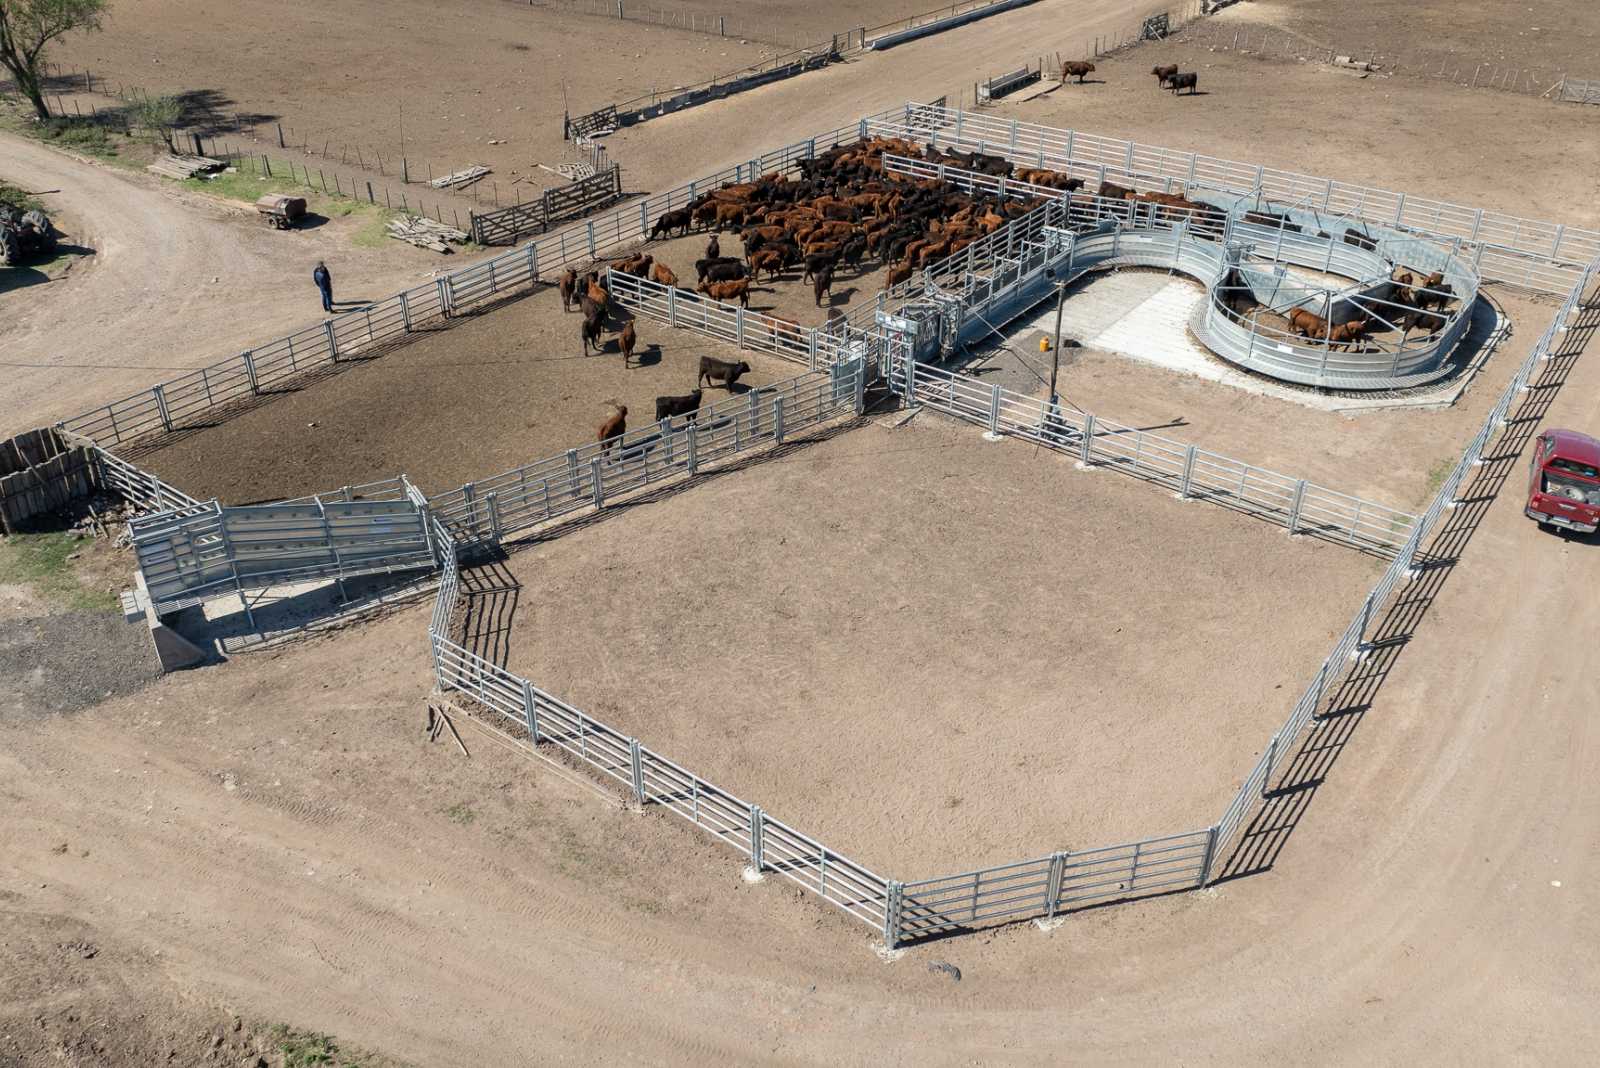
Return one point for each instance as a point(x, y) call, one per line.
point(292, 610)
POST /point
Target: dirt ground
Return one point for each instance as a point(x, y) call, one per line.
point(1392, 456)
point(174, 280)
point(491, 391)
point(1545, 38)
point(1315, 119)
point(276, 837)
point(776, 626)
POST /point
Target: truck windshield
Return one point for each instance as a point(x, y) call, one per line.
point(1575, 467)
point(1571, 488)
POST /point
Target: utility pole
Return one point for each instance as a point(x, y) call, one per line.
point(1053, 413)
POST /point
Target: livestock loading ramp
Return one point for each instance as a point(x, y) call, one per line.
point(190, 555)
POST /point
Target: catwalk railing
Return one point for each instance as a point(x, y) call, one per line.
point(1507, 248)
point(1298, 505)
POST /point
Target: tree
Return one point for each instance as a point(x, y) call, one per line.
point(27, 26)
point(158, 116)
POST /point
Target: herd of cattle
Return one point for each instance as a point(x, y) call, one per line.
point(1167, 76)
point(844, 210)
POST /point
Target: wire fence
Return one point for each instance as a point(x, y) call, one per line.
point(1427, 64)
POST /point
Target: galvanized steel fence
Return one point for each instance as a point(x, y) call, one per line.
point(585, 478)
point(1300, 506)
point(1538, 255)
point(181, 401)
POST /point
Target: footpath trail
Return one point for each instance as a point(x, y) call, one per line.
point(176, 281)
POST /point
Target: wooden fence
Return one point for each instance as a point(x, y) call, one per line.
point(506, 226)
point(40, 473)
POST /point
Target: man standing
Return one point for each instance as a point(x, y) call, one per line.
point(324, 282)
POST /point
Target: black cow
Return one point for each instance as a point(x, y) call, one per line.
point(721, 269)
point(687, 405)
point(1359, 240)
point(673, 220)
point(1183, 81)
point(720, 372)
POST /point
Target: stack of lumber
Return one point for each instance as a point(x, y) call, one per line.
point(461, 178)
point(186, 166)
point(425, 233)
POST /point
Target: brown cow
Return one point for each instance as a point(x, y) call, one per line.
point(1114, 192)
point(739, 290)
point(568, 285)
point(899, 272)
point(1163, 73)
point(596, 290)
point(627, 340)
point(663, 274)
point(782, 327)
point(1346, 334)
point(1076, 68)
point(1307, 324)
point(769, 260)
point(614, 426)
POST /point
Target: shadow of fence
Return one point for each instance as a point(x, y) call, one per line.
point(1287, 801)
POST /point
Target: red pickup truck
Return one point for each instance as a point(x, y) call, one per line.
point(1564, 481)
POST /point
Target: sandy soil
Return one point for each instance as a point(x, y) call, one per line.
point(175, 280)
point(1432, 898)
point(781, 624)
point(1543, 37)
point(1316, 119)
point(491, 391)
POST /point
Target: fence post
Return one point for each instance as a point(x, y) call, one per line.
point(533, 262)
point(161, 407)
point(891, 913)
point(861, 385)
point(1361, 635)
point(994, 411)
point(444, 296)
point(757, 823)
point(250, 371)
point(1210, 857)
point(738, 327)
point(530, 712)
point(1294, 506)
point(589, 230)
point(494, 515)
point(405, 311)
point(1052, 886)
point(811, 349)
point(691, 461)
point(638, 770)
point(599, 488)
point(777, 420)
point(1087, 445)
point(333, 341)
point(1188, 473)
point(672, 306)
point(1272, 757)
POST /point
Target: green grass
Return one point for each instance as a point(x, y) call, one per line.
point(80, 135)
point(40, 561)
point(18, 198)
point(308, 1049)
point(461, 813)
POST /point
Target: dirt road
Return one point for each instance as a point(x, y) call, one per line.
point(176, 281)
